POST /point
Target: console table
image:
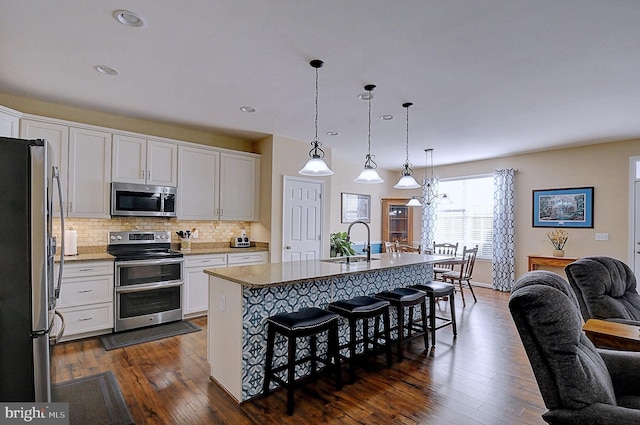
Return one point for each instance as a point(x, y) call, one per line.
point(617, 336)
point(549, 260)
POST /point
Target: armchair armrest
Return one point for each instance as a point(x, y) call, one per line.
point(624, 368)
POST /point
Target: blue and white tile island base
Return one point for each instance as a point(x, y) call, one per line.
point(242, 298)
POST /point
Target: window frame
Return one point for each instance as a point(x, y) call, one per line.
point(480, 255)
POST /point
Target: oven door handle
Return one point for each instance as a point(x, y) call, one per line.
point(146, 287)
point(122, 264)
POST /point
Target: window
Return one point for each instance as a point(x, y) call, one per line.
point(466, 216)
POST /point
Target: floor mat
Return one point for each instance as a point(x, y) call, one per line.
point(151, 333)
point(94, 399)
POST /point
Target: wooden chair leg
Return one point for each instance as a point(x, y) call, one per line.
point(387, 335)
point(432, 319)
point(352, 350)
point(425, 330)
point(400, 332)
point(452, 306)
point(313, 349)
point(334, 351)
point(472, 293)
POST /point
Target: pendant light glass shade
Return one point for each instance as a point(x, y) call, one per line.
point(316, 165)
point(414, 202)
point(369, 175)
point(407, 181)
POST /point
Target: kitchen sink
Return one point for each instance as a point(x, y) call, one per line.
point(352, 259)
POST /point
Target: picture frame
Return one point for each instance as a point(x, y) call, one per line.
point(565, 208)
point(355, 207)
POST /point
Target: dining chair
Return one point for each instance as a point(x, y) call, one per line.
point(390, 247)
point(408, 248)
point(465, 273)
point(443, 249)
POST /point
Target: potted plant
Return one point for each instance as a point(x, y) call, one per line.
point(341, 245)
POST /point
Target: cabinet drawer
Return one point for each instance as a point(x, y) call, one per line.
point(85, 290)
point(81, 320)
point(247, 258)
point(204, 261)
point(88, 268)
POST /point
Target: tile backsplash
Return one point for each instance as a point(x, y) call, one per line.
point(93, 232)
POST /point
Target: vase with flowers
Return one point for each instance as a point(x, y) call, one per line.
point(558, 238)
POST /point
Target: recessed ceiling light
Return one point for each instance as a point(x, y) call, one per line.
point(129, 19)
point(332, 133)
point(247, 109)
point(106, 70)
point(386, 117)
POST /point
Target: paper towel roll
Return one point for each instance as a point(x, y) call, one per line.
point(70, 242)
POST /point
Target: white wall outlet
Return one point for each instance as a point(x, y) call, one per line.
point(602, 236)
point(223, 303)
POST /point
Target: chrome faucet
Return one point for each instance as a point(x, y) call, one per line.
point(367, 248)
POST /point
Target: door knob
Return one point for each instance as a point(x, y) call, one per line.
point(287, 247)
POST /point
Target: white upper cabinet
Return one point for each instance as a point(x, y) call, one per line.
point(137, 160)
point(239, 187)
point(9, 122)
point(198, 183)
point(216, 185)
point(58, 137)
point(89, 171)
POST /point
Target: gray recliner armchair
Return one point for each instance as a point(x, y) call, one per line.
point(605, 289)
point(579, 383)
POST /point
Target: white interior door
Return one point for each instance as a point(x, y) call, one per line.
point(302, 219)
point(636, 232)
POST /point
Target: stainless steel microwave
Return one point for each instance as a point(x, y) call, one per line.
point(140, 200)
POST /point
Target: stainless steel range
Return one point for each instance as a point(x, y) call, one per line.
point(148, 279)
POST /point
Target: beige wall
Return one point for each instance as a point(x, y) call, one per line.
point(603, 166)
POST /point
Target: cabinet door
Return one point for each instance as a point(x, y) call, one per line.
point(9, 122)
point(238, 187)
point(162, 163)
point(58, 137)
point(198, 183)
point(397, 221)
point(89, 170)
point(129, 159)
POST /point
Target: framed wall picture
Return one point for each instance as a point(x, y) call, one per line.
point(356, 207)
point(570, 208)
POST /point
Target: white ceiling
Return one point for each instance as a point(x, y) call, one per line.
point(487, 77)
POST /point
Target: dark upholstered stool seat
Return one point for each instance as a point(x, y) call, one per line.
point(305, 322)
point(407, 297)
point(434, 290)
point(364, 308)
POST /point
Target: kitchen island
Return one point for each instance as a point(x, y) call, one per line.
point(242, 298)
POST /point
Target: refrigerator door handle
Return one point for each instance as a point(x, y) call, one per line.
point(56, 175)
point(54, 339)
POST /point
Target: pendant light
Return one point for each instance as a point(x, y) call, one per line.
point(407, 181)
point(316, 165)
point(369, 173)
point(429, 192)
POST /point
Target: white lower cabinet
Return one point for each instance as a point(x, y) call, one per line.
point(247, 258)
point(86, 299)
point(196, 282)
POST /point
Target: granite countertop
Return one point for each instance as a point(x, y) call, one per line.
point(99, 253)
point(271, 274)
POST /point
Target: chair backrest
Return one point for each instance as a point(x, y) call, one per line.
point(390, 247)
point(408, 248)
point(445, 248)
point(569, 371)
point(469, 260)
point(605, 288)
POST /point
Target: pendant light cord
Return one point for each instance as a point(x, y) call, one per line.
point(316, 123)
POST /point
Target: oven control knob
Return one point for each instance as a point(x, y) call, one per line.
point(119, 237)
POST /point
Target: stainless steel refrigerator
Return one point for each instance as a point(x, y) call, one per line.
point(27, 248)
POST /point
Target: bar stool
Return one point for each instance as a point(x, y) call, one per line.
point(364, 308)
point(306, 322)
point(407, 297)
point(436, 290)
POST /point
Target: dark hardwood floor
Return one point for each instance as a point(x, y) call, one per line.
point(482, 377)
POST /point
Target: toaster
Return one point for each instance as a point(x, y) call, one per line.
point(240, 242)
